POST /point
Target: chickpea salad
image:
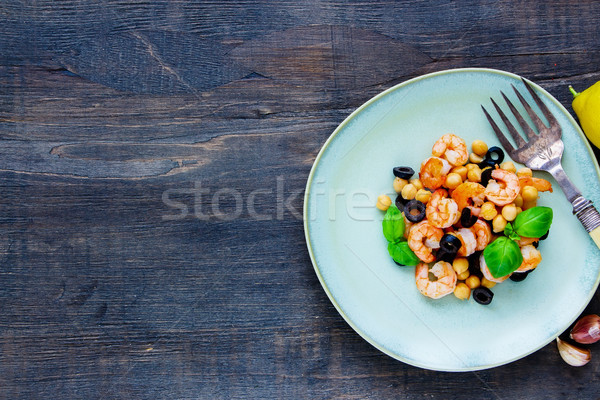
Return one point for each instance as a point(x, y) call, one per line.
point(468, 221)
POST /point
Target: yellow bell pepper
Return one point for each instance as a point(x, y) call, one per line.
point(587, 107)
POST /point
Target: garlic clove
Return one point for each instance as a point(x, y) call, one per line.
point(586, 330)
point(573, 355)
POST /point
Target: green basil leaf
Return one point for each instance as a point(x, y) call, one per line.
point(502, 257)
point(402, 254)
point(534, 222)
point(510, 232)
point(393, 224)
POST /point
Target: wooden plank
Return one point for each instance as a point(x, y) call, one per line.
point(329, 57)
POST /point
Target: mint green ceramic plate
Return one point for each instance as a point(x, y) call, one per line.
point(378, 298)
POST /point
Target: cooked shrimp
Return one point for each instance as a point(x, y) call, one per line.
point(503, 188)
point(442, 211)
point(474, 210)
point(531, 258)
point(524, 241)
point(486, 272)
point(540, 184)
point(468, 241)
point(433, 172)
point(469, 194)
point(407, 226)
point(444, 283)
point(452, 148)
point(482, 233)
point(422, 238)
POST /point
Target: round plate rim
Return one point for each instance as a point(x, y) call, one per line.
point(341, 126)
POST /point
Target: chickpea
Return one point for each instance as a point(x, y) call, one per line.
point(475, 159)
point(518, 200)
point(453, 180)
point(460, 265)
point(462, 291)
point(487, 283)
point(423, 195)
point(519, 210)
point(399, 183)
point(509, 212)
point(498, 223)
point(488, 211)
point(529, 193)
point(463, 275)
point(474, 174)
point(473, 282)
point(417, 183)
point(384, 202)
point(462, 171)
point(529, 204)
point(524, 172)
point(479, 147)
point(409, 192)
point(470, 166)
point(509, 166)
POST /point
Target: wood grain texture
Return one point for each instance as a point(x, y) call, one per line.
point(107, 290)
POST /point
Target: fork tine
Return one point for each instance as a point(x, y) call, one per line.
point(505, 143)
point(511, 129)
point(540, 103)
point(524, 125)
point(539, 124)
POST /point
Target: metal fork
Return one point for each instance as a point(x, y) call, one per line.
point(543, 151)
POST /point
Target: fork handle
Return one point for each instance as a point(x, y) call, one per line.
point(589, 217)
point(582, 208)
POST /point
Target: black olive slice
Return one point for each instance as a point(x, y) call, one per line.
point(414, 205)
point(400, 202)
point(450, 241)
point(519, 276)
point(487, 163)
point(404, 172)
point(483, 295)
point(467, 219)
point(486, 175)
point(449, 245)
point(474, 266)
point(495, 154)
point(445, 255)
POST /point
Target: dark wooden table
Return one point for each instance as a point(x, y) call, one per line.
point(134, 263)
